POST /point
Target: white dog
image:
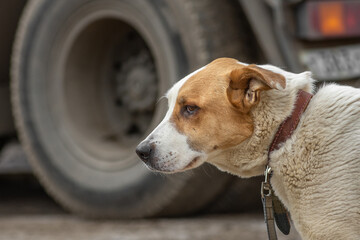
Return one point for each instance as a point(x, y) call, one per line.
point(227, 114)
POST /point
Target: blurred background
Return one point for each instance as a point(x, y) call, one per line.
point(80, 83)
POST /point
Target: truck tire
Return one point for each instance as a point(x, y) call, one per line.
point(86, 76)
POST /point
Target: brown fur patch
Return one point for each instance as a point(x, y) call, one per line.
point(246, 83)
point(218, 124)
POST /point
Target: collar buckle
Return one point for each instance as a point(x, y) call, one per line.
point(266, 190)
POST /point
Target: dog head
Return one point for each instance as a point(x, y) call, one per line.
point(209, 110)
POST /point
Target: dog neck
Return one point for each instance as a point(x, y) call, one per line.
point(250, 157)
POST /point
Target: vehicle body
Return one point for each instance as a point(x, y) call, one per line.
point(86, 76)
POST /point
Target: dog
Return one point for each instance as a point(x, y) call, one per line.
point(227, 113)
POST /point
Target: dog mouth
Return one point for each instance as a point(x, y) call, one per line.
point(156, 168)
point(193, 163)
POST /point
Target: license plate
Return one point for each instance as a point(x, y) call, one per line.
point(338, 63)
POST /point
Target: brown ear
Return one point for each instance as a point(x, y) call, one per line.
point(246, 83)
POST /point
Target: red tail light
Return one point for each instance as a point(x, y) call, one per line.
point(329, 19)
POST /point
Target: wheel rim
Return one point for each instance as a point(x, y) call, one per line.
point(100, 101)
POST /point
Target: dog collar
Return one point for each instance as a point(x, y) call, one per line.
point(274, 210)
point(288, 126)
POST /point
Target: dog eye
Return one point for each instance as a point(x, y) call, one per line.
point(190, 109)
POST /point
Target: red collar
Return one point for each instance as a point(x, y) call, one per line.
point(288, 126)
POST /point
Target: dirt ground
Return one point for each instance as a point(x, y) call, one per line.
point(27, 213)
point(59, 227)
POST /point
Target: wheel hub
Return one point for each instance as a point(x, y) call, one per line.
point(136, 87)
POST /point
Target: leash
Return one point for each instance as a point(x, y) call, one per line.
point(274, 210)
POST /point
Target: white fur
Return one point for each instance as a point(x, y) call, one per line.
point(317, 170)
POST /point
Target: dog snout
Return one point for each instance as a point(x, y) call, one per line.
point(145, 150)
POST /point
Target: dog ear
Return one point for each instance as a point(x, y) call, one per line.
point(246, 83)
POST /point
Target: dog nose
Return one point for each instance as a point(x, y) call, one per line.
point(144, 150)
